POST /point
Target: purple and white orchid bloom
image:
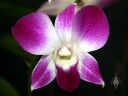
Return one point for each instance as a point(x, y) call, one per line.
point(64, 47)
point(54, 7)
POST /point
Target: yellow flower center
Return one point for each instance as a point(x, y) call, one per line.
point(65, 58)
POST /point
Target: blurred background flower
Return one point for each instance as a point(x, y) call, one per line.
point(54, 7)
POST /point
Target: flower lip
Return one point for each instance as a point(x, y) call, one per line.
point(65, 58)
point(68, 79)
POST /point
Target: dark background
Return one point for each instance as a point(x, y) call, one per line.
point(112, 58)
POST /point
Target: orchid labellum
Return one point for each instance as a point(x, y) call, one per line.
point(64, 47)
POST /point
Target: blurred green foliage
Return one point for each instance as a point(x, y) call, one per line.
point(8, 42)
point(6, 89)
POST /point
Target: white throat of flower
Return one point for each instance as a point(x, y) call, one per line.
point(65, 58)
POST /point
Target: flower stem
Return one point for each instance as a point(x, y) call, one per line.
point(30, 68)
point(77, 1)
point(29, 82)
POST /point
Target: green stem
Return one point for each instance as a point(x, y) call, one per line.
point(29, 71)
point(29, 82)
point(30, 68)
point(77, 1)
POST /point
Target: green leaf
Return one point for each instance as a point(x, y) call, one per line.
point(8, 42)
point(6, 89)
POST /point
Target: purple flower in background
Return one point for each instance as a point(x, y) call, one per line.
point(54, 7)
point(64, 47)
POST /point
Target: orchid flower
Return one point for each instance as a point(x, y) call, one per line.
point(64, 48)
point(54, 7)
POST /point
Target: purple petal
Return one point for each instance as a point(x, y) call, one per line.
point(63, 23)
point(43, 73)
point(35, 33)
point(68, 79)
point(91, 26)
point(89, 70)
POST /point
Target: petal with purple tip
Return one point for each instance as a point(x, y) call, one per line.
point(91, 26)
point(68, 79)
point(35, 33)
point(63, 23)
point(89, 69)
point(43, 73)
